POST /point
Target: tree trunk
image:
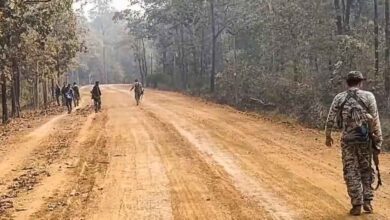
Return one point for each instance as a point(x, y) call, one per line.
point(4, 98)
point(36, 88)
point(13, 98)
point(45, 93)
point(339, 22)
point(151, 63)
point(174, 71)
point(182, 60)
point(53, 91)
point(164, 61)
point(347, 16)
point(141, 70)
point(195, 60)
point(14, 85)
point(17, 88)
point(387, 52)
point(144, 62)
point(213, 47)
point(376, 45)
point(105, 76)
point(235, 69)
point(202, 54)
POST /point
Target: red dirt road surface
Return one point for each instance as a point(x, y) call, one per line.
point(173, 157)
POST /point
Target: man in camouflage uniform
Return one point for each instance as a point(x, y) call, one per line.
point(355, 111)
point(138, 90)
point(96, 97)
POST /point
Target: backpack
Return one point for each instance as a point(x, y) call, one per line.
point(75, 89)
point(95, 92)
point(138, 88)
point(69, 94)
point(356, 118)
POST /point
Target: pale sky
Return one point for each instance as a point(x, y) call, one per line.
point(120, 4)
point(117, 4)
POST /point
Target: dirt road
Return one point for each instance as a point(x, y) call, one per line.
point(173, 157)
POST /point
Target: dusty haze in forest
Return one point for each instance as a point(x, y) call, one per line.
point(265, 55)
point(227, 122)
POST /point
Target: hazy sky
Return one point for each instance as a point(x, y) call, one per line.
point(117, 4)
point(120, 4)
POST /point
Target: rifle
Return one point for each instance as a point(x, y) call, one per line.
point(375, 157)
point(374, 150)
point(142, 94)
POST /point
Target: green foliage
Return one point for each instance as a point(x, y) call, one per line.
point(291, 55)
point(38, 42)
point(160, 80)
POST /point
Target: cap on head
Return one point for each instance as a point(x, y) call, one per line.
point(355, 75)
point(136, 80)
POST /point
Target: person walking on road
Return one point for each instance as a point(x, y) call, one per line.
point(96, 96)
point(138, 91)
point(69, 96)
point(355, 112)
point(76, 91)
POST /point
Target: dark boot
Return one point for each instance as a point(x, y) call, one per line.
point(368, 207)
point(356, 210)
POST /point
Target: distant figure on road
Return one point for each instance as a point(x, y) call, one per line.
point(96, 96)
point(76, 91)
point(355, 112)
point(58, 94)
point(138, 91)
point(69, 96)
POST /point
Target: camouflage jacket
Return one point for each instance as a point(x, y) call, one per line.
point(369, 113)
point(137, 87)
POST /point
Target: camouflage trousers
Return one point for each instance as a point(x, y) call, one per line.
point(358, 173)
point(137, 95)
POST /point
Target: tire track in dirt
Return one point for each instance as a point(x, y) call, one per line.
point(248, 186)
point(252, 153)
point(59, 177)
point(261, 147)
point(201, 190)
point(86, 162)
point(163, 174)
point(37, 175)
point(20, 151)
point(134, 169)
point(37, 168)
point(175, 157)
point(17, 153)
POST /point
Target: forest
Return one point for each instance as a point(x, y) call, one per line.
point(194, 109)
point(288, 57)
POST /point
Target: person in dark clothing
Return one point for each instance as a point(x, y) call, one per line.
point(76, 92)
point(138, 91)
point(69, 96)
point(58, 94)
point(96, 96)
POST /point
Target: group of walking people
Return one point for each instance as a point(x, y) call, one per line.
point(68, 95)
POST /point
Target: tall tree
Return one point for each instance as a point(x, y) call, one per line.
point(376, 44)
point(387, 52)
